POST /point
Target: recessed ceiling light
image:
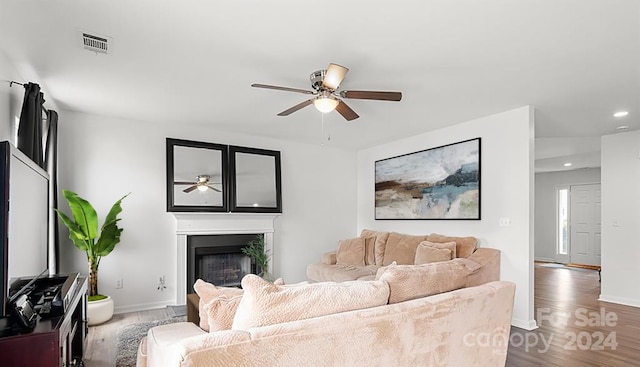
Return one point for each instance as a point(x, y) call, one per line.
point(620, 114)
point(568, 164)
point(622, 128)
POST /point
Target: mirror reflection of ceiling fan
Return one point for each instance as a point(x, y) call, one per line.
point(325, 85)
point(202, 184)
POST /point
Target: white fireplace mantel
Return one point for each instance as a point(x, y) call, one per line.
point(189, 224)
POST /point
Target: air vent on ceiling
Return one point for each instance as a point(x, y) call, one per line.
point(94, 43)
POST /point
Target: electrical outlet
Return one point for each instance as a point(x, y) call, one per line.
point(161, 284)
point(119, 283)
point(505, 222)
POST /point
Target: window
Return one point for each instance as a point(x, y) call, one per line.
point(563, 221)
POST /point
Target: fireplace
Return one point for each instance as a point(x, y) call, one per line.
point(218, 259)
point(195, 225)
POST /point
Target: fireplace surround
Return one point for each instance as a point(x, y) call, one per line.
point(194, 225)
point(218, 259)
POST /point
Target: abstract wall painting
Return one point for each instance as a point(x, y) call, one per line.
point(437, 183)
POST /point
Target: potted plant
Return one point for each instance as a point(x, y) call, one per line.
point(85, 236)
point(256, 251)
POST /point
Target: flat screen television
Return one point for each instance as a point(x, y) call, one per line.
point(24, 218)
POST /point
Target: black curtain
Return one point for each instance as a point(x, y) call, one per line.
point(31, 124)
point(51, 164)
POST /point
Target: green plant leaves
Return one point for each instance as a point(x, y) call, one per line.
point(84, 231)
point(255, 249)
point(110, 233)
point(75, 232)
point(83, 213)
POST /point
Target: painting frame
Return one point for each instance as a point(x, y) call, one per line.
point(439, 183)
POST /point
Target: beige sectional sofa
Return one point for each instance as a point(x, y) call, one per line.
point(305, 325)
point(363, 257)
point(382, 299)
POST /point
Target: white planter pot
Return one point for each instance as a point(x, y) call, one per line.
point(99, 311)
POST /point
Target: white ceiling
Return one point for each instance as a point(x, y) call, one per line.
point(173, 62)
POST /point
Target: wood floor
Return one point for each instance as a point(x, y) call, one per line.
point(568, 335)
point(101, 341)
point(575, 329)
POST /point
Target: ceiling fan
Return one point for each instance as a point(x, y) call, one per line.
point(202, 184)
point(325, 85)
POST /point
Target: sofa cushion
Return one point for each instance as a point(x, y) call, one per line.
point(380, 243)
point(415, 281)
point(264, 303)
point(401, 248)
point(351, 251)
point(318, 272)
point(209, 292)
point(464, 245)
point(429, 252)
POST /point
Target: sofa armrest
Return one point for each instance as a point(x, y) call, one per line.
point(489, 271)
point(162, 340)
point(329, 258)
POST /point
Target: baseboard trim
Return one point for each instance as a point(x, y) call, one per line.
point(143, 306)
point(620, 300)
point(544, 260)
point(524, 324)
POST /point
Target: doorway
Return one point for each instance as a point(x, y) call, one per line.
point(579, 224)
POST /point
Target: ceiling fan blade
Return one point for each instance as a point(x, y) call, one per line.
point(213, 188)
point(296, 107)
point(183, 182)
point(286, 89)
point(334, 76)
point(190, 188)
point(346, 111)
point(363, 94)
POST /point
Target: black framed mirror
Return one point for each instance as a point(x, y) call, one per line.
point(255, 180)
point(197, 176)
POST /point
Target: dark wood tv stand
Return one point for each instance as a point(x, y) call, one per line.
point(54, 342)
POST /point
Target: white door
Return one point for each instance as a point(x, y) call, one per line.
point(585, 224)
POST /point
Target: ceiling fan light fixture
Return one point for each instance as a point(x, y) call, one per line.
point(334, 75)
point(202, 188)
point(325, 104)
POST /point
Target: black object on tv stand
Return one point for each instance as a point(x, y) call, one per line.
point(54, 341)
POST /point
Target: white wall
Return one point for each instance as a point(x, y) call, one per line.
point(103, 158)
point(620, 219)
point(546, 185)
point(506, 191)
point(10, 99)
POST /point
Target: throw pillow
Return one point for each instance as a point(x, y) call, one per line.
point(427, 255)
point(221, 311)
point(207, 293)
point(382, 269)
point(465, 246)
point(380, 243)
point(401, 248)
point(210, 294)
point(264, 303)
point(351, 251)
point(416, 281)
point(428, 252)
